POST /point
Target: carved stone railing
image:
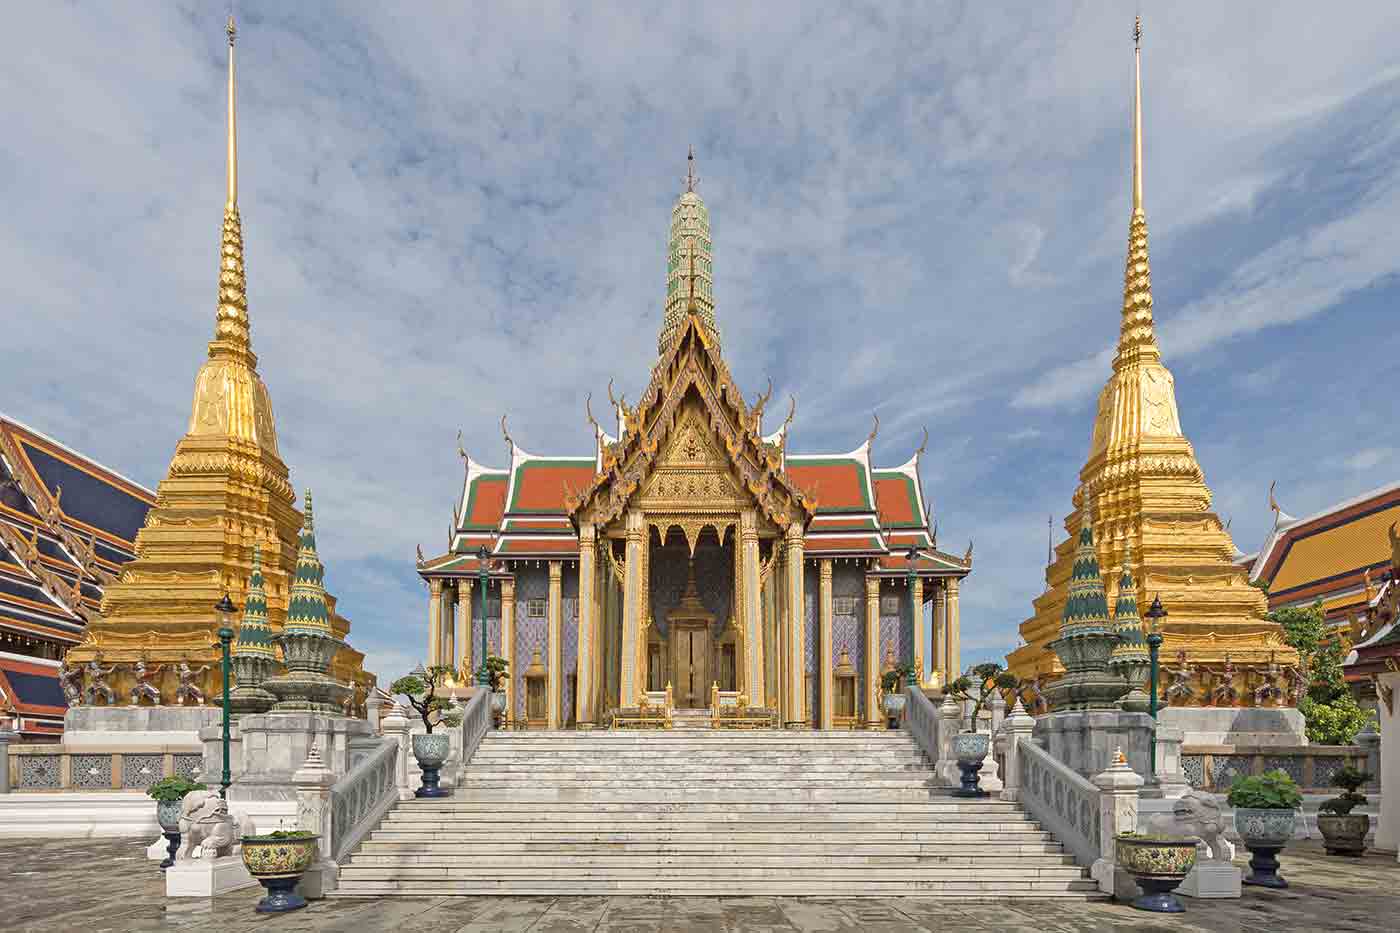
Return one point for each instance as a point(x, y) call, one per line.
point(1214, 767)
point(95, 768)
point(921, 720)
point(361, 798)
point(1066, 804)
point(476, 722)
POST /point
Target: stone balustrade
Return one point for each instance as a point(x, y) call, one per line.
point(92, 767)
point(1213, 767)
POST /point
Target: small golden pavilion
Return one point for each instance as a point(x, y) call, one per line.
point(690, 553)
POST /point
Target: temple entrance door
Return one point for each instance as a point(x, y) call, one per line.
point(690, 649)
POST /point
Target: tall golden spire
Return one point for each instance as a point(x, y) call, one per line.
point(231, 334)
point(1136, 340)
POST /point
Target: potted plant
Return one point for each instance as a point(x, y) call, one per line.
point(1344, 832)
point(493, 674)
point(1158, 864)
point(430, 749)
point(970, 747)
point(168, 793)
point(1264, 805)
point(278, 860)
point(892, 700)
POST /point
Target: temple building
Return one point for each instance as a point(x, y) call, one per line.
point(225, 493)
point(689, 556)
point(1143, 492)
point(1338, 556)
point(67, 526)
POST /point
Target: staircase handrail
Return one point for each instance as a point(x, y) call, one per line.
point(921, 721)
point(477, 720)
point(1062, 801)
point(360, 799)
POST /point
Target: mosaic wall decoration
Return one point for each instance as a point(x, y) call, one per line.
point(530, 634)
point(714, 579)
point(1194, 768)
point(1225, 768)
point(493, 627)
point(1292, 765)
point(848, 631)
point(141, 771)
point(812, 634)
point(39, 771)
point(568, 711)
point(189, 766)
point(92, 771)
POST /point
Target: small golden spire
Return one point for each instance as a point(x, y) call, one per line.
point(231, 331)
point(1137, 115)
point(690, 178)
point(1137, 339)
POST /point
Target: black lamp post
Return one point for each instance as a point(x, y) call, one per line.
point(1154, 642)
point(226, 610)
point(483, 577)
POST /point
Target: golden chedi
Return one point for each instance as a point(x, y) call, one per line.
point(1146, 493)
point(226, 492)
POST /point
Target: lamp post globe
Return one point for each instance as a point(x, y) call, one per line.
point(226, 610)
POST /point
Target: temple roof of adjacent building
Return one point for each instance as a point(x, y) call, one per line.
point(1328, 554)
point(29, 689)
point(67, 525)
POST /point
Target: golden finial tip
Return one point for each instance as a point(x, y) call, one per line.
point(1137, 31)
point(231, 29)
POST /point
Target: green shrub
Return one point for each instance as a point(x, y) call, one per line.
point(896, 677)
point(420, 689)
point(1272, 790)
point(171, 789)
point(1349, 779)
point(495, 670)
point(1335, 722)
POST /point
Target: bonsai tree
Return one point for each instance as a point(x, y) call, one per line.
point(1272, 790)
point(1349, 779)
point(421, 690)
point(171, 789)
point(493, 671)
point(979, 684)
point(896, 677)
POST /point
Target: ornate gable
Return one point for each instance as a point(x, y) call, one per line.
point(692, 441)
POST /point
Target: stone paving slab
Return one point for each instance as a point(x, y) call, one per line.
point(101, 885)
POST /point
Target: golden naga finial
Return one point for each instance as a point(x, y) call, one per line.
point(588, 410)
point(923, 445)
point(874, 430)
point(506, 434)
point(967, 557)
point(460, 451)
point(762, 402)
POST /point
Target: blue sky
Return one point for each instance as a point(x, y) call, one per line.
point(919, 209)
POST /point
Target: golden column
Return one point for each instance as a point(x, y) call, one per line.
point(920, 647)
point(508, 641)
point(434, 622)
point(872, 651)
point(751, 618)
point(827, 611)
point(632, 608)
point(954, 633)
point(462, 655)
point(585, 687)
point(795, 642)
point(556, 644)
point(940, 629)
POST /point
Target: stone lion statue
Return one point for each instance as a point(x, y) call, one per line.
point(1197, 815)
point(206, 826)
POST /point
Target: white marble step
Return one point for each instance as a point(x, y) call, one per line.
point(647, 846)
point(737, 886)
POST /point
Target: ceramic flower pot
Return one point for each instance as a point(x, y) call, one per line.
point(1344, 835)
point(1264, 832)
point(431, 751)
point(893, 704)
point(168, 815)
point(278, 862)
point(498, 703)
point(970, 749)
point(1158, 865)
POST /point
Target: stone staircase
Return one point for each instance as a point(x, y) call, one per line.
point(708, 813)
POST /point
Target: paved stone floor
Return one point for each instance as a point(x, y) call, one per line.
point(98, 885)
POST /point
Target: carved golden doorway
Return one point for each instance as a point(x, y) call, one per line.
point(690, 653)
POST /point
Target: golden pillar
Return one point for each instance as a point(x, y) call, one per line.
point(940, 629)
point(796, 661)
point(920, 648)
point(631, 683)
point(954, 630)
point(585, 686)
point(872, 652)
point(556, 644)
point(508, 641)
point(434, 622)
point(827, 611)
point(751, 615)
point(462, 656)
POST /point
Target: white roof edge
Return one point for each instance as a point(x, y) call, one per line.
point(65, 447)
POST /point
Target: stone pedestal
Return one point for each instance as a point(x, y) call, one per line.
point(138, 726)
point(1086, 740)
point(207, 877)
point(1212, 879)
point(268, 748)
point(1212, 725)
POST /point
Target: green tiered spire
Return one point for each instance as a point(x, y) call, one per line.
point(306, 610)
point(1086, 609)
point(255, 635)
point(1126, 621)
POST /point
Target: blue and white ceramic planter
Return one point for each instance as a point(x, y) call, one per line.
point(168, 815)
point(431, 750)
point(970, 749)
point(1264, 833)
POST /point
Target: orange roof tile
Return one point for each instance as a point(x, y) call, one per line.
point(837, 483)
point(896, 498)
point(486, 502)
point(539, 484)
